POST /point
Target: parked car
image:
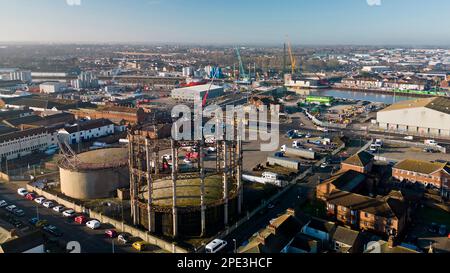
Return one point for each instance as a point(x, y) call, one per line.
point(30, 196)
point(433, 228)
point(443, 230)
point(81, 220)
point(19, 212)
point(69, 213)
point(59, 208)
point(33, 221)
point(48, 204)
point(215, 246)
point(52, 230)
point(39, 200)
point(11, 208)
point(18, 224)
point(22, 192)
point(140, 245)
point(3, 203)
point(111, 233)
point(124, 238)
point(41, 223)
point(93, 224)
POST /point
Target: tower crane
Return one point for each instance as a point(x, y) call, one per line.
point(293, 60)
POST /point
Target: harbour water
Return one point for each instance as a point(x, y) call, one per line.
point(363, 96)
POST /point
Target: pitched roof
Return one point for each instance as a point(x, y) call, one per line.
point(440, 104)
point(21, 134)
point(345, 236)
point(275, 237)
point(360, 159)
point(389, 206)
point(88, 125)
point(348, 180)
point(24, 120)
point(420, 166)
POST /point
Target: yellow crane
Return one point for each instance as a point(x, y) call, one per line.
point(293, 60)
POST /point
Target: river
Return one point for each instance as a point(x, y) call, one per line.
point(362, 96)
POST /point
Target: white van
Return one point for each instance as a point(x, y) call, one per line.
point(215, 246)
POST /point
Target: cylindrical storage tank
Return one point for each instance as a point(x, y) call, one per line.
point(95, 174)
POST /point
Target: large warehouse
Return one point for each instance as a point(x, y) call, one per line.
point(197, 92)
point(429, 116)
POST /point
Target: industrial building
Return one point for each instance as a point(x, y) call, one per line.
point(172, 200)
point(198, 92)
point(427, 117)
point(95, 174)
point(21, 143)
point(52, 87)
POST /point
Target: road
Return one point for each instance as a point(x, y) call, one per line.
point(91, 241)
point(294, 197)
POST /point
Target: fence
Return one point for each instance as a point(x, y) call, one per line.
point(119, 225)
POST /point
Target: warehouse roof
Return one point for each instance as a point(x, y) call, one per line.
point(21, 134)
point(420, 166)
point(88, 125)
point(198, 88)
point(440, 104)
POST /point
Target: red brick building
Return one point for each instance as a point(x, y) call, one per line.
point(432, 174)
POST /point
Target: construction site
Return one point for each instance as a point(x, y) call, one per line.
point(184, 198)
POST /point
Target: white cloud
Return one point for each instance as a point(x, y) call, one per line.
point(374, 2)
point(73, 2)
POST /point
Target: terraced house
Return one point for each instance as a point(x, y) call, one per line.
point(432, 174)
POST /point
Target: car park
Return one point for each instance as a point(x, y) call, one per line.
point(58, 209)
point(81, 220)
point(52, 230)
point(48, 204)
point(69, 213)
point(124, 238)
point(93, 224)
point(111, 233)
point(22, 192)
point(39, 200)
point(140, 245)
point(30, 196)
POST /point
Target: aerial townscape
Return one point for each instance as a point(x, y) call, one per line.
point(131, 147)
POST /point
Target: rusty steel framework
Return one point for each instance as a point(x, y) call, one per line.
point(146, 172)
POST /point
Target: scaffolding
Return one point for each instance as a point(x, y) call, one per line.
point(146, 172)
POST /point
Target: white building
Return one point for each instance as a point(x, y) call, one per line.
point(188, 71)
point(88, 130)
point(427, 117)
point(86, 80)
point(21, 143)
point(376, 69)
point(21, 75)
point(52, 87)
point(197, 92)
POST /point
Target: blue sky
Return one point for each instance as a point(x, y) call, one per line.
point(410, 22)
